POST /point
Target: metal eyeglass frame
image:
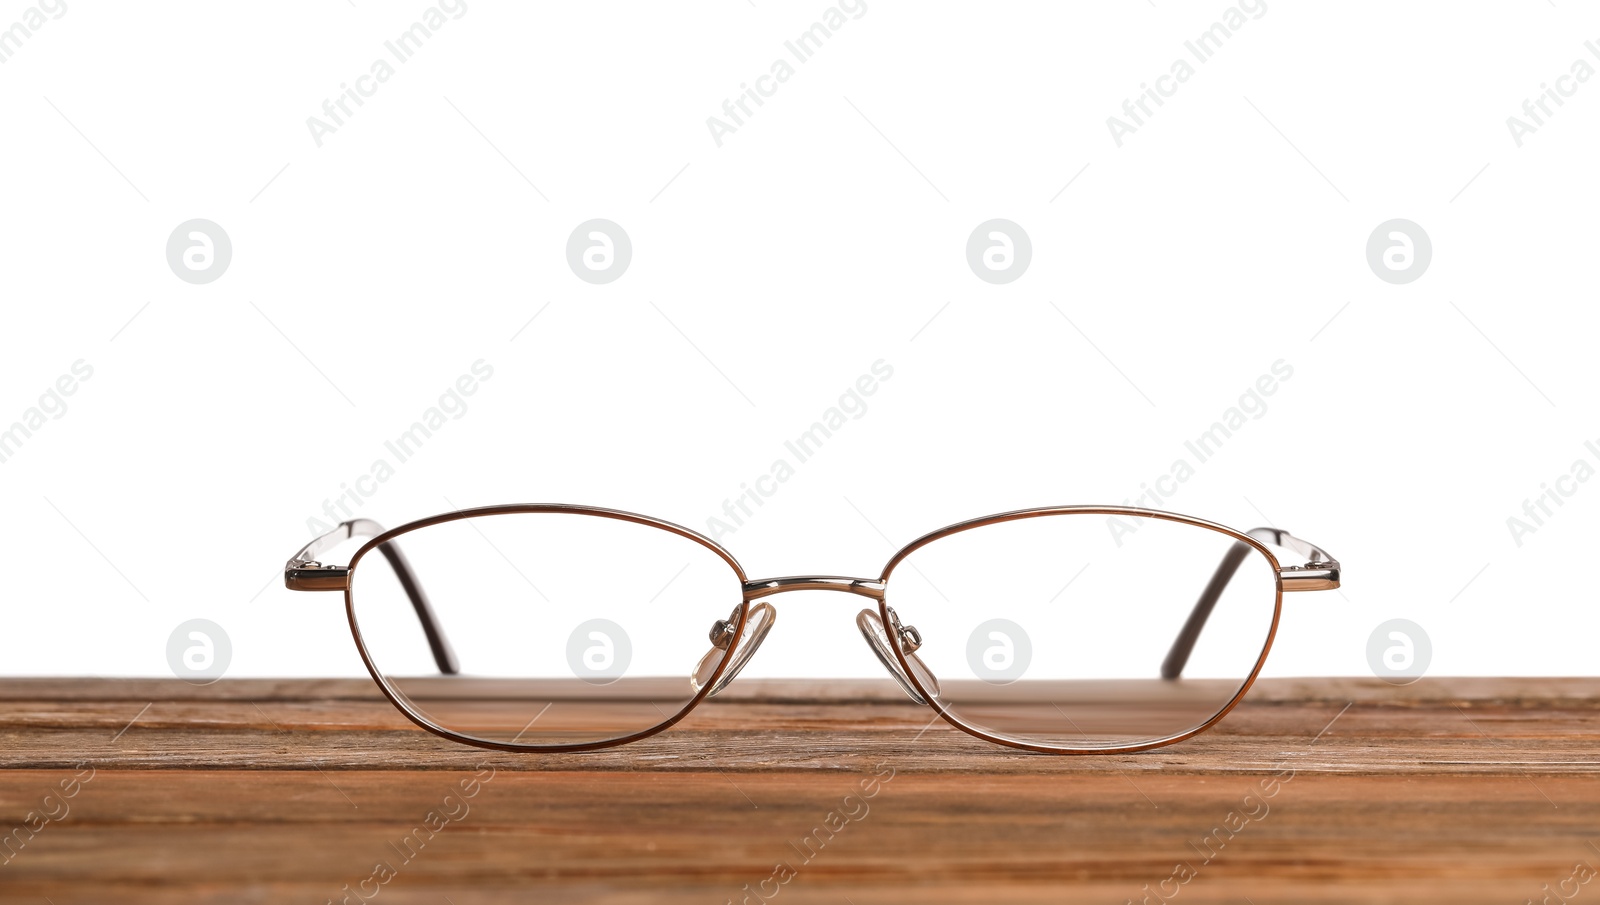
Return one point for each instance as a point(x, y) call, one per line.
point(895, 649)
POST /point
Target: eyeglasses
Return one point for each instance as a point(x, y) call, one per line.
point(1066, 630)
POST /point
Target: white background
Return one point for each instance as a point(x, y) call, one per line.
point(827, 233)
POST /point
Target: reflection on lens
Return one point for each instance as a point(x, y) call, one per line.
point(1087, 631)
point(568, 628)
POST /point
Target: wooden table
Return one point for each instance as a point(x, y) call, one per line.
point(1448, 790)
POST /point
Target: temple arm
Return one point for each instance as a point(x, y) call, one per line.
point(304, 573)
point(1320, 573)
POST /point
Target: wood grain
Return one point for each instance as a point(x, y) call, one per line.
point(1448, 790)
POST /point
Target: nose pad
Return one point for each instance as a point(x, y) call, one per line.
point(878, 639)
point(762, 616)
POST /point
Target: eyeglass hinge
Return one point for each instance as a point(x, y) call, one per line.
point(1313, 576)
point(314, 576)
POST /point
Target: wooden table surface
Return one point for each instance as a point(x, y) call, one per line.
point(1447, 790)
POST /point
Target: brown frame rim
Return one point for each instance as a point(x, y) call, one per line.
point(395, 698)
point(1014, 515)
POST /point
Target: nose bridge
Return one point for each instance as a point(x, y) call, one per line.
point(766, 587)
